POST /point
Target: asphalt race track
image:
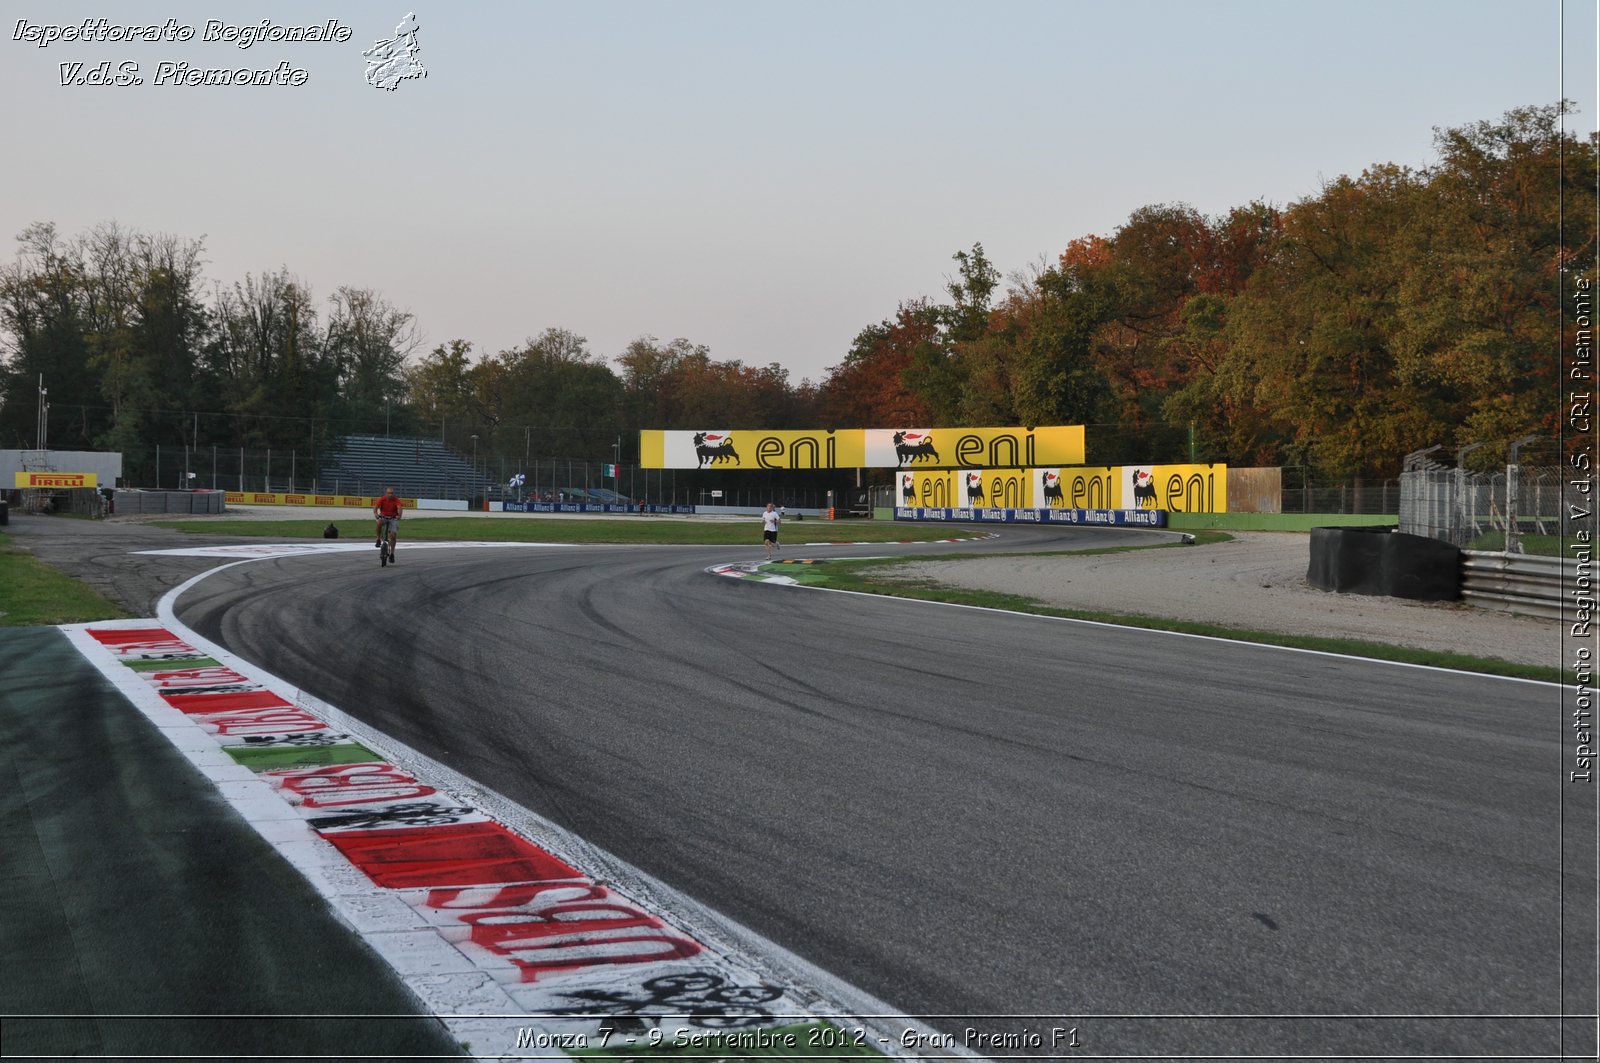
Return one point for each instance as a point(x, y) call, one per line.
point(970, 813)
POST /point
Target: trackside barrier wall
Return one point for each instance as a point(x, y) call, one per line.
point(1144, 518)
point(590, 507)
point(1525, 583)
point(789, 513)
point(442, 503)
point(126, 501)
point(263, 498)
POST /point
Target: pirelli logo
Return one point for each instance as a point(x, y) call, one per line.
point(57, 480)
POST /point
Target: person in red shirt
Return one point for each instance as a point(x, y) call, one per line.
point(387, 512)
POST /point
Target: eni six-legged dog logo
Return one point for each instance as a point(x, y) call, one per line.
point(1144, 489)
point(713, 448)
point(912, 447)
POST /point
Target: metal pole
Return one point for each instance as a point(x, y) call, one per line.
point(1461, 535)
point(1513, 467)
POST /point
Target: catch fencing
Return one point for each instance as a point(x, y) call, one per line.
point(1465, 508)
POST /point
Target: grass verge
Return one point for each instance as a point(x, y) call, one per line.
point(1542, 545)
point(866, 576)
point(533, 530)
point(31, 592)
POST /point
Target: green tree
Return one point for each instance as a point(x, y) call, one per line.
point(367, 343)
point(267, 354)
point(45, 314)
point(1508, 206)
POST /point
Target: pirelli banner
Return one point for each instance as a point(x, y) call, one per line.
point(1171, 488)
point(862, 448)
point(56, 481)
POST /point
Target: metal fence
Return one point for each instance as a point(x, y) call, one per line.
point(79, 501)
point(1463, 507)
point(1352, 497)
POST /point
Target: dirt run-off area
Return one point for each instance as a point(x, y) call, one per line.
point(1255, 581)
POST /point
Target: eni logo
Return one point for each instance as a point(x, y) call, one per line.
point(802, 451)
point(1000, 450)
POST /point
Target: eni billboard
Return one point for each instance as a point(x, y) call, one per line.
point(862, 448)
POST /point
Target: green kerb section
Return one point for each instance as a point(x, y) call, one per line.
point(812, 1040)
point(274, 758)
point(812, 573)
point(173, 664)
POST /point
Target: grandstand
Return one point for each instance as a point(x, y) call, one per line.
point(415, 468)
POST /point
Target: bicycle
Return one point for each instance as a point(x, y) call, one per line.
point(386, 542)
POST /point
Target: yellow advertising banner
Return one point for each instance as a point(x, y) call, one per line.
point(862, 448)
point(263, 498)
point(57, 480)
point(1174, 488)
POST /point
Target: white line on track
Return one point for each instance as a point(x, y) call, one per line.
point(748, 570)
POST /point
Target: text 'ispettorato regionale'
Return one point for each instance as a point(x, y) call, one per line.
point(167, 72)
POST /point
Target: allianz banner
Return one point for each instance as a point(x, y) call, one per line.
point(1173, 488)
point(862, 448)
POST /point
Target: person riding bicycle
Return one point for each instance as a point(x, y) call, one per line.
point(387, 513)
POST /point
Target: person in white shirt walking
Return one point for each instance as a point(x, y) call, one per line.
point(769, 530)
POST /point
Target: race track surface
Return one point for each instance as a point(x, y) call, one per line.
point(970, 813)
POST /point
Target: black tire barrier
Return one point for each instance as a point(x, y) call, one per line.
point(1380, 560)
point(5, 513)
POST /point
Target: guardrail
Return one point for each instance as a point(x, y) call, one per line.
point(1517, 583)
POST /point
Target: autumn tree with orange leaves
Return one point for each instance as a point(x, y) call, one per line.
point(1387, 312)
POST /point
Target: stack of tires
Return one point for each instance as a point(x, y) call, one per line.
point(1381, 560)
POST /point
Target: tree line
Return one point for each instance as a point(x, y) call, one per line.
point(1387, 312)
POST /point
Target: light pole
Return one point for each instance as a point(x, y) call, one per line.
point(43, 411)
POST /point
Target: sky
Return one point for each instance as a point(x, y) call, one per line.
point(763, 178)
